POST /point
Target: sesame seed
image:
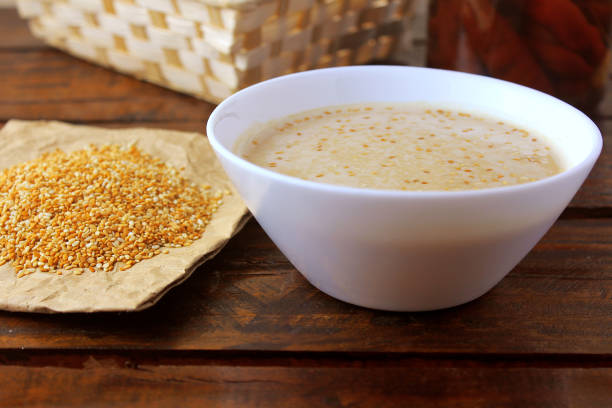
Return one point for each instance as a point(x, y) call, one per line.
point(94, 209)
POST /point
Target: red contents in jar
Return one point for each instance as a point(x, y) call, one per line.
point(557, 46)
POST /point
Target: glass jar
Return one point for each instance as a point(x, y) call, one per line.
point(557, 46)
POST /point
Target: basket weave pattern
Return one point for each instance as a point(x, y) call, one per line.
point(212, 48)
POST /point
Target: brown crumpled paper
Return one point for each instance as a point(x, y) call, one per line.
point(146, 282)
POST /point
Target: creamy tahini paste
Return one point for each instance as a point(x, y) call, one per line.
point(399, 146)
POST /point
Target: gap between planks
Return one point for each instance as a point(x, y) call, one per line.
point(126, 358)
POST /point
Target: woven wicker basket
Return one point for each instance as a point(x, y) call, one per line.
point(212, 48)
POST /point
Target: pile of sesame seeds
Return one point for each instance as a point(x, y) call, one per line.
point(97, 209)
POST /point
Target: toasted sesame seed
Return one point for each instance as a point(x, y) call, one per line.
point(94, 208)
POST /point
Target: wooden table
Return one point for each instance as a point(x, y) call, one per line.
point(246, 329)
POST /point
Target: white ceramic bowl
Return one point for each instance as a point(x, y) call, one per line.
point(401, 250)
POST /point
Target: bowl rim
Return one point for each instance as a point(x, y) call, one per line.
point(568, 173)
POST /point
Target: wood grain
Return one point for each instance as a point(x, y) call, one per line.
point(558, 300)
point(14, 32)
point(47, 84)
point(596, 192)
point(159, 386)
point(248, 330)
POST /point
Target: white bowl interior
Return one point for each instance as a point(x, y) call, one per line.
point(563, 125)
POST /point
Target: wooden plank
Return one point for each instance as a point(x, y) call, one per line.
point(48, 84)
point(604, 109)
point(596, 192)
point(14, 32)
point(558, 300)
point(187, 126)
point(157, 386)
